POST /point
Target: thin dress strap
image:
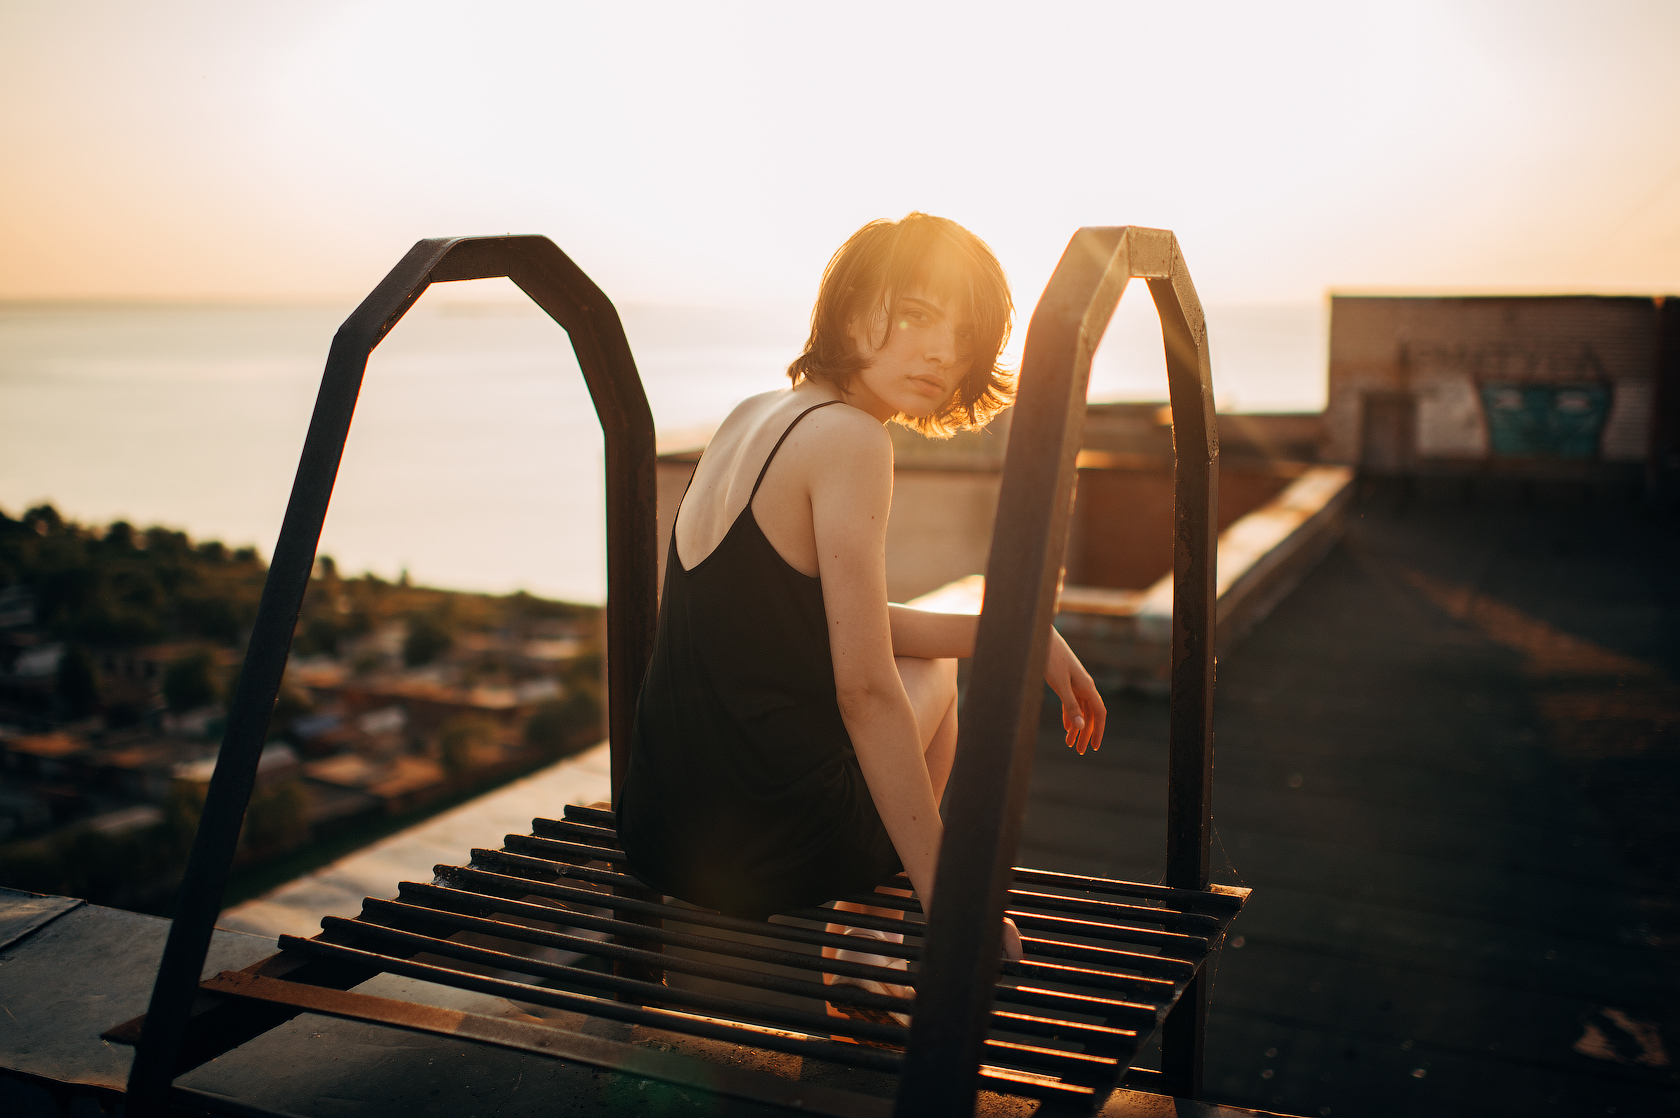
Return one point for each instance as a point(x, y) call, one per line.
point(779, 443)
point(681, 500)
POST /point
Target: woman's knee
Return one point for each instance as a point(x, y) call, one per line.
point(947, 672)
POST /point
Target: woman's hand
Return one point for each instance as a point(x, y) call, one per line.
point(1083, 713)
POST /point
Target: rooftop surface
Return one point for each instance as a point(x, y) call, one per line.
point(296, 907)
point(1449, 767)
point(1446, 765)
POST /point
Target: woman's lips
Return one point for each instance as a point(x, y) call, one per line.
point(929, 385)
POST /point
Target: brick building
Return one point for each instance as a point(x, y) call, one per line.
point(1570, 386)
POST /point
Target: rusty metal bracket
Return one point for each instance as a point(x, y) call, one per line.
point(548, 1040)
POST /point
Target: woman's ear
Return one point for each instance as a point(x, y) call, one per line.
point(861, 336)
point(869, 332)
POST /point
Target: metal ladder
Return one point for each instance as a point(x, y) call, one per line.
point(1107, 962)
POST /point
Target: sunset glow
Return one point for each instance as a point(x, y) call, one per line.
point(716, 154)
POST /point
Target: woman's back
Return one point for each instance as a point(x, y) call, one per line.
point(744, 793)
point(730, 468)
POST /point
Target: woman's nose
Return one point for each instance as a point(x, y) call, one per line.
point(942, 345)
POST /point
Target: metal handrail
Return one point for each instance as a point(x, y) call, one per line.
point(988, 791)
point(560, 288)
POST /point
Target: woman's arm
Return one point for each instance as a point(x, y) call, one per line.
point(850, 497)
point(932, 636)
point(937, 636)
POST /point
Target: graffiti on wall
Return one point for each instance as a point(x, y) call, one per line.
point(1449, 417)
point(1508, 400)
point(1545, 420)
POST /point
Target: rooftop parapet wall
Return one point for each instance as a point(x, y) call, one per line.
point(1124, 636)
point(945, 492)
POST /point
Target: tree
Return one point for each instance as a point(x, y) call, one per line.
point(76, 683)
point(289, 705)
point(426, 640)
point(321, 633)
point(43, 520)
point(277, 819)
point(464, 741)
point(190, 682)
point(209, 615)
point(566, 724)
point(120, 536)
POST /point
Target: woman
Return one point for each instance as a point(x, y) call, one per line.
point(795, 731)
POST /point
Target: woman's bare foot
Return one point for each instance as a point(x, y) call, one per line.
point(1012, 949)
point(869, 985)
point(861, 954)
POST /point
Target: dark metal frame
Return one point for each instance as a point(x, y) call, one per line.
point(571, 298)
point(576, 859)
point(1000, 725)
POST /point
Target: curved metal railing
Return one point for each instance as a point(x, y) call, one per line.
point(571, 298)
point(999, 725)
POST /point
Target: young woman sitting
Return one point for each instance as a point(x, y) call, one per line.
point(795, 730)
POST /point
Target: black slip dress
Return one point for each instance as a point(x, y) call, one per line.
point(743, 793)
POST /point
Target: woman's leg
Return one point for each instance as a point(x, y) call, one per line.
point(932, 687)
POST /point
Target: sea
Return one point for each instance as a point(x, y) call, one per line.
point(474, 462)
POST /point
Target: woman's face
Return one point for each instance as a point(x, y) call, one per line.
point(922, 355)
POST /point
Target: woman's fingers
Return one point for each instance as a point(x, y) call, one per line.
point(1079, 730)
point(1083, 714)
point(1074, 722)
point(1096, 715)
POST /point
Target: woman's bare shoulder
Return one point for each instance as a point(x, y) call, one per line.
point(850, 422)
point(844, 431)
point(747, 415)
point(837, 429)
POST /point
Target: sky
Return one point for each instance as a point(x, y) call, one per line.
point(716, 154)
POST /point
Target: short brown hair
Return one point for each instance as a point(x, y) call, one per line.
point(866, 276)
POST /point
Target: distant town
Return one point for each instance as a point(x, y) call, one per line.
point(119, 651)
